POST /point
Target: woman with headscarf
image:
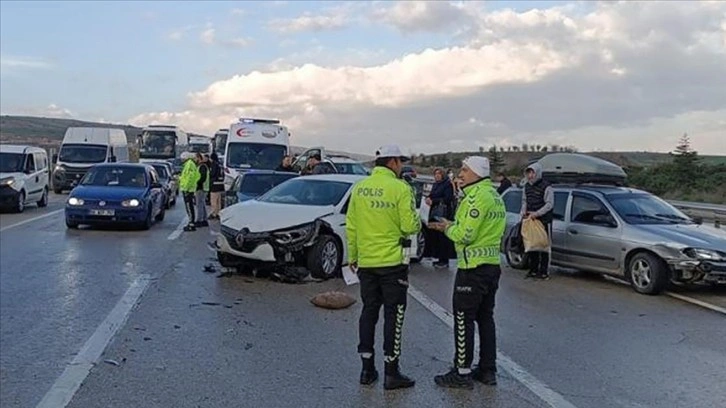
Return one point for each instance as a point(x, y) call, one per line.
point(441, 201)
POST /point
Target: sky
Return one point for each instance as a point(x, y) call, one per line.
point(431, 76)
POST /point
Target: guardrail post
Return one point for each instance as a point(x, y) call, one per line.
point(717, 223)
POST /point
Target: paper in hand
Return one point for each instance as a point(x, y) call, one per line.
point(350, 277)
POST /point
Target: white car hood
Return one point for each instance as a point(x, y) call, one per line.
point(16, 176)
point(259, 216)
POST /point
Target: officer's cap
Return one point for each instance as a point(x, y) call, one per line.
point(393, 151)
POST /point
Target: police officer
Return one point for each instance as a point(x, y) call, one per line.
point(188, 186)
point(380, 219)
point(476, 232)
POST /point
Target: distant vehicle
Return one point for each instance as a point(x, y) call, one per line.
point(408, 171)
point(170, 182)
point(220, 143)
point(24, 176)
point(253, 184)
point(299, 222)
point(336, 163)
point(176, 165)
point(83, 147)
point(254, 144)
point(620, 231)
point(112, 194)
point(201, 144)
point(161, 142)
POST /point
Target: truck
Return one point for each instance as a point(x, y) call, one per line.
point(258, 144)
point(161, 143)
point(82, 147)
point(201, 144)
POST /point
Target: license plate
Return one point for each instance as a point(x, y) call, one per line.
point(109, 213)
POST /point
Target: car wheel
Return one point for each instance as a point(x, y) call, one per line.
point(20, 203)
point(420, 247)
point(648, 274)
point(161, 215)
point(44, 199)
point(149, 220)
point(515, 259)
point(71, 224)
point(324, 258)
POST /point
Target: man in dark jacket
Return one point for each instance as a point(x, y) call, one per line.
point(537, 203)
point(441, 201)
point(286, 164)
point(203, 186)
point(504, 183)
point(216, 177)
point(316, 166)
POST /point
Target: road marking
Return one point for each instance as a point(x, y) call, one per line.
point(62, 391)
point(179, 229)
point(40, 217)
point(697, 302)
point(678, 296)
point(545, 393)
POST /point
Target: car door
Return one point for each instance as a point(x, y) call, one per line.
point(338, 223)
point(157, 194)
point(33, 191)
point(559, 227)
point(593, 235)
point(302, 160)
point(41, 164)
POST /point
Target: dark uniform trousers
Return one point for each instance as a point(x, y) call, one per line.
point(387, 287)
point(539, 261)
point(189, 203)
point(474, 293)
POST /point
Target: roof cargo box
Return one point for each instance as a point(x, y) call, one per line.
point(580, 168)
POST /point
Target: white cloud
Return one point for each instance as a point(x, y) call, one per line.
point(412, 16)
point(10, 62)
point(175, 35)
point(208, 36)
point(238, 12)
point(625, 75)
point(332, 19)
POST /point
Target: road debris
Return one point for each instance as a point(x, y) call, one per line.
point(112, 362)
point(333, 300)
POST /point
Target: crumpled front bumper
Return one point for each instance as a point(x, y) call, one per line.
point(258, 251)
point(695, 270)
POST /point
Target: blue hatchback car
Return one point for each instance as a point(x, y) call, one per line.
point(117, 193)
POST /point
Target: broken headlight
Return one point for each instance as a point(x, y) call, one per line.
point(704, 254)
point(295, 235)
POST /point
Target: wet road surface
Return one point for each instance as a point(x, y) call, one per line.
point(198, 340)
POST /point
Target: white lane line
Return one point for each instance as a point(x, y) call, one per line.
point(697, 302)
point(40, 217)
point(545, 393)
point(62, 391)
point(678, 296)
point(179, 229)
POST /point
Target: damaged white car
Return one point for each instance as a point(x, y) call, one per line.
point(295, 229)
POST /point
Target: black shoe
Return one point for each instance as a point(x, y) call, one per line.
point(543, 276)
point(453, 379)
point(394, 379)
point(530, 275)
point(486, 377)
point(368, 374)
point(201, 224)
point(190, 227)
point(441, 264)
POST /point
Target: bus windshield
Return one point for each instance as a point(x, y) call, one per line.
point(157, 144)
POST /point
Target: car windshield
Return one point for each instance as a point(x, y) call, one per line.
point(351, 168)
point(11, 162)
point(81, 153)
point(646, 209)
point(157, 144)
point(304, 191)
point(162, 170)
point(254, 185)
point(115, 177)
point(261, 156)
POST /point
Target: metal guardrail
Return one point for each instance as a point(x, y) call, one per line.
point(687, 205)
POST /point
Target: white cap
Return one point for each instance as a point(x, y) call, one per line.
point(186, 156)
point(391, 151)
point(477, 164)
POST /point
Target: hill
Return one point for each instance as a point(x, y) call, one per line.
point(48, 132)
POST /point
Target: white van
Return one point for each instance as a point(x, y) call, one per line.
point(24, 176)
point(83, 147)
point(201, 144)
point(162, 143)
point(258, 144)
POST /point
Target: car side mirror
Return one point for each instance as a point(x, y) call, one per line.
point(55, 158)
point(156, 185)
point(605, 220)
point(112, 159)
point(697, 220)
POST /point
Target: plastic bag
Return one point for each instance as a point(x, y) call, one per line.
point(534, 236)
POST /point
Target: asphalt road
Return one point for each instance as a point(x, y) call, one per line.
point(193, 339)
